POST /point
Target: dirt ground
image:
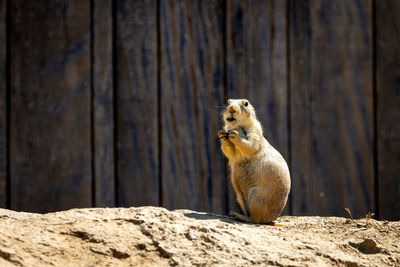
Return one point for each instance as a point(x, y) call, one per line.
point(151, 236)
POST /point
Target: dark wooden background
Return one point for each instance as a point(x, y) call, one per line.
point(117, 103)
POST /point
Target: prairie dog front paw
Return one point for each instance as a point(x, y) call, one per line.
point(223, 135)
point(233, 134)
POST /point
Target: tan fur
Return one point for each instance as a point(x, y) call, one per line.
point(259, 174)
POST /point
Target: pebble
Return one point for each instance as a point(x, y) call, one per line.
point(191, 236)
point(246, 241)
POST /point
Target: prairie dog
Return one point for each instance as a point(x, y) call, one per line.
point(259, 174)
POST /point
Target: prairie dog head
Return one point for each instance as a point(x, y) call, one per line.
point(238, 114)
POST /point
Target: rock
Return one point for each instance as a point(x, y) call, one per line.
point(191, 236)
point(368, 246)
point(152, 236)
point(246, 241)
point(119, 253)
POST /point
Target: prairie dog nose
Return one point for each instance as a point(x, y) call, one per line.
point(233, 108)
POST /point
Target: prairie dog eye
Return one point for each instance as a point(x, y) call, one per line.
point(246, 103)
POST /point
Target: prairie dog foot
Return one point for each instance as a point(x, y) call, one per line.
point(244, 218)
point(240, 217)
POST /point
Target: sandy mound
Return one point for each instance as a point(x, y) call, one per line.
point(150, 236)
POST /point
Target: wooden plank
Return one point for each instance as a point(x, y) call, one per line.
point(257, 65)
point(388, 107)
point(342, 106)
point(103, 115)
point(193, 169)
point(3, 105)
point(50, 155)
point(137, 105)
point(302, 168)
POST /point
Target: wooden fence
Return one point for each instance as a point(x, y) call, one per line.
point(117, 103)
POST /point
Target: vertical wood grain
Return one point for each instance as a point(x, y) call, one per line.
point(302, 168)
point(193, 174)
point(341, 103)
point(3, 105)
point(50, 155)
point(257, 65)
point(137, 104)
point(103, 115)
point(388, 107)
